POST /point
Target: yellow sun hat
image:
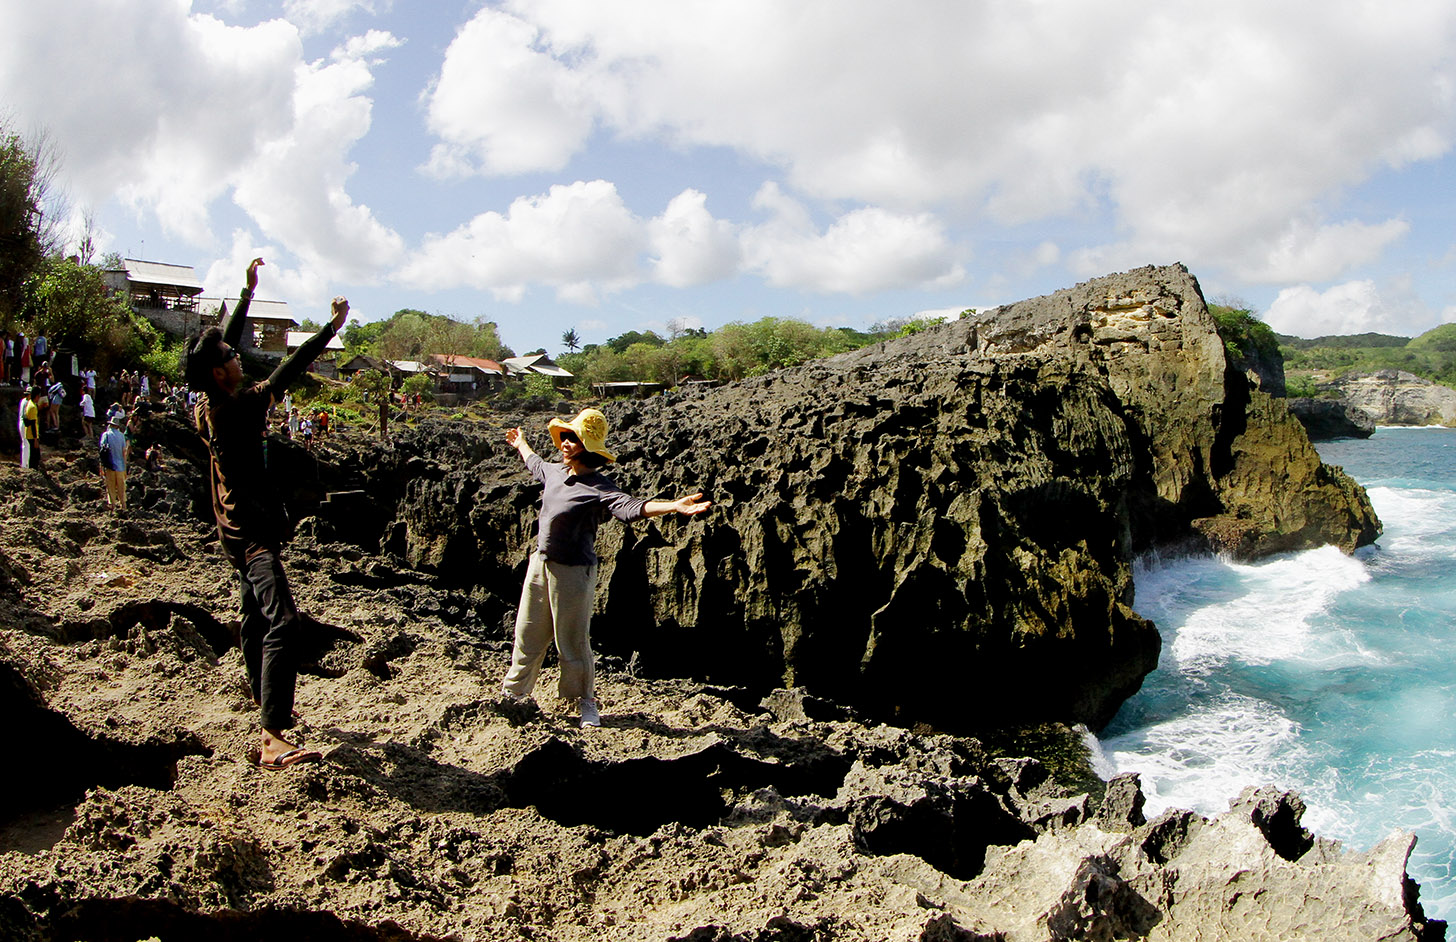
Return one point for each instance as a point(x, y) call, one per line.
point(590, 426)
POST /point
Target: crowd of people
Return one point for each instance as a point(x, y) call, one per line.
point(49, 378)
point(30, 364)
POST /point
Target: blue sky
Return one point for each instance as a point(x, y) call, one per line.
point(612, 166)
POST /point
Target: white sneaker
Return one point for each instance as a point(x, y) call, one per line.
point(590, 715)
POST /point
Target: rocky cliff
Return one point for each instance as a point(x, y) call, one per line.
point(1395, 397)
point(941, 528)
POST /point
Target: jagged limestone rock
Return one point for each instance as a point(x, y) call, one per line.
point(1185, 877)
point(938, 528)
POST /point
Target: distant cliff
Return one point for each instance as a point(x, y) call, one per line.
point(1395, 397)
point(941, 527)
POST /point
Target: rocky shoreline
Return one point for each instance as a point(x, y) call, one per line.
point(959, 510)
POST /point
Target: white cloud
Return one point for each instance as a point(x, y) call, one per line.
point(1351, 308)
point(306, 290)
point(295, 187)
point(865, 250)
point(1017, 112)
point(180, 109)
point(691, 247)
point(584, 242)
point(173, 105)
point(579, 239)
point(1318, 253)
point(502, 105)
point(317, 16)
point(366, 46)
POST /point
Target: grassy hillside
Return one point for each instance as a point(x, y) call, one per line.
point(1432, 355)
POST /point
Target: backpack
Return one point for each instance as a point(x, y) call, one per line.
point(103, 457)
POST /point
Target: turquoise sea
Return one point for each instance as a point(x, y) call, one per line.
point(1328, 674)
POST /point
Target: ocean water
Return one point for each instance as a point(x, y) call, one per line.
point(1331, 675)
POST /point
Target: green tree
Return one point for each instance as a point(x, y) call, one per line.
point(539, 385)
point(70, 302)
point(571, 341)
point(419, 383)
point(487, 342)
point(621, 343)
point(403, 337)
point(1243, 334)
point(371, 381)
point(27, 234)
point(447, 338)
point(360, 338)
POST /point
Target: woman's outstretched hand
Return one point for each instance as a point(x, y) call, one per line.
point(692, 504)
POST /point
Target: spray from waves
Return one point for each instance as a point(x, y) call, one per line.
point(1201, 759)
point(1417, 521)
point(1213, 611)
point(1329, 675)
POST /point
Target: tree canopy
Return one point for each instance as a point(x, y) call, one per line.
point(411, 334)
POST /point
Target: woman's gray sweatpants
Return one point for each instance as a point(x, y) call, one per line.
point(556, 600)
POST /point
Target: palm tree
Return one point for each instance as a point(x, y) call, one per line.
point(570, 340)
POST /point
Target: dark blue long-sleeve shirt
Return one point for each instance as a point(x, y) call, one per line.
point(571, 507)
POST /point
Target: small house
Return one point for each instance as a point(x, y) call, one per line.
point(326, 364)
point(520, 367)
point(163, 293)
point(469, 376)
point(270, 322)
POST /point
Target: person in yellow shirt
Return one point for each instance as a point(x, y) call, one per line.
point(29, 431)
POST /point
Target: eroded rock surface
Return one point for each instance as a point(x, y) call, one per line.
point(443, 812)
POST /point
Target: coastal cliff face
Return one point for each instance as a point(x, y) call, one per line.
point(1223, 457)
point(940, 528)
point(1395, 397)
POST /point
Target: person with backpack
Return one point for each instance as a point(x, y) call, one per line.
point(252, 522)
point(112, 456)
point(57, 397)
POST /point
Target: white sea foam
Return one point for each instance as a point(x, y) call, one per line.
point(1418, 522)
point(1214, 611)
point(1203, 759)
point(1327, 674)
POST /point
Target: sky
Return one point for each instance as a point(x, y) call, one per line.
point(606, 166)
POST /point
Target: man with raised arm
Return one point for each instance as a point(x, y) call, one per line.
point(251, 520)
